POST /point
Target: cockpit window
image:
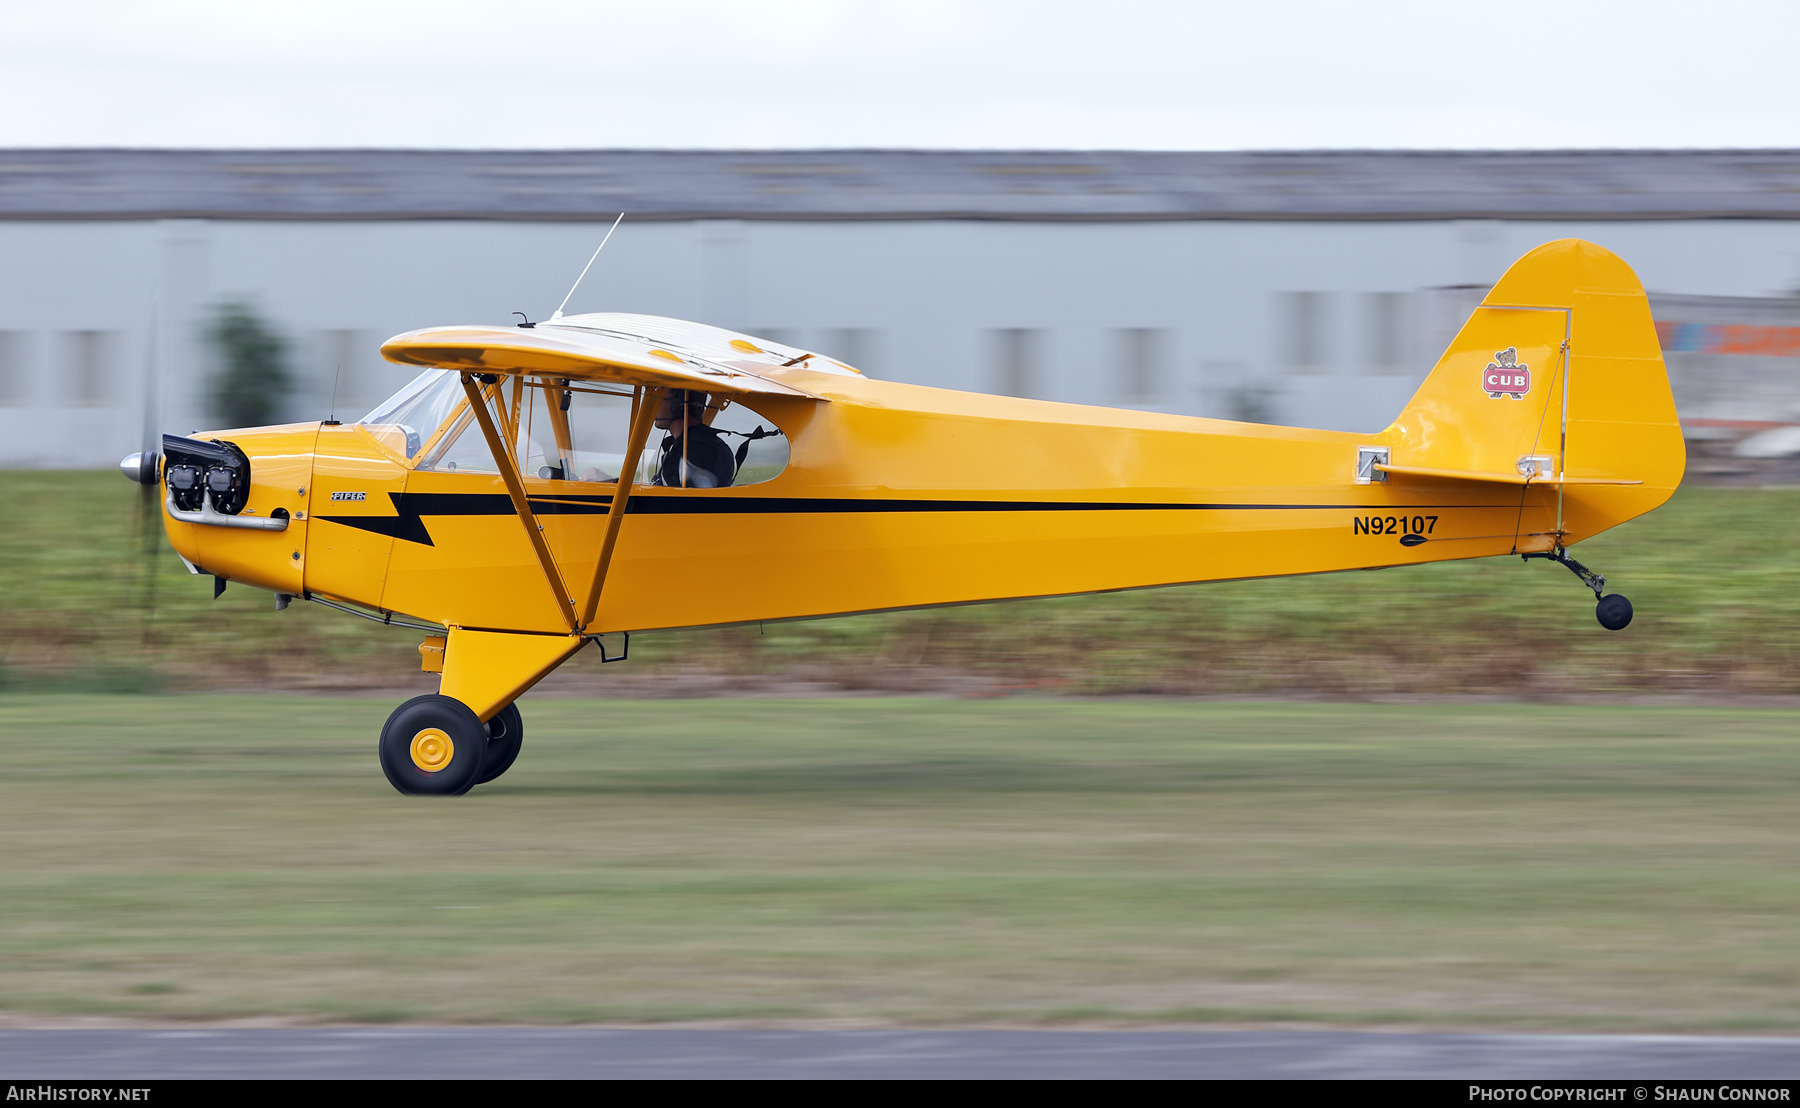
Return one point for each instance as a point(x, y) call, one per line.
point(578, 431)
point(576, 434)
point(755, 447)
point(405, 420)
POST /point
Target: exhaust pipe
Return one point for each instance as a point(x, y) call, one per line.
point(208, 516)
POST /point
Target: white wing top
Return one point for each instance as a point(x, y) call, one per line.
point(618, 347)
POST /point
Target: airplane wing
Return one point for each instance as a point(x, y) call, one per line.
point(750, 352)
point(589, 354)
point(1498, 478)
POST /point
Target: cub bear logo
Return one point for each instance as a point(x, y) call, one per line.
point(1506, 375)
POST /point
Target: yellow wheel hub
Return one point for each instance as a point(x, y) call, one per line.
point(432, 750)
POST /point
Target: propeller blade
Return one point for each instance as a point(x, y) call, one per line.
point(148, 477)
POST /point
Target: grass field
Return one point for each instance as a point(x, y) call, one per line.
point(1714, 576)
point(1029, 860)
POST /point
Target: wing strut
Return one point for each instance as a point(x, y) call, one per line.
point(515, 488)
point(648, 400)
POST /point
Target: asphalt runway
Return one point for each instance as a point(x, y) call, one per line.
point(520, 1052)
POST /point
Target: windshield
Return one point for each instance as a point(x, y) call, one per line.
point(407, 418)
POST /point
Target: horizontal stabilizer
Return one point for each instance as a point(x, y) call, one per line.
point(1499, 478)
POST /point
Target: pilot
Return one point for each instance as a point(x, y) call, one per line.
point(694, 456)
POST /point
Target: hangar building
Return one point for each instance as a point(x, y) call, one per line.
point(1309, 288)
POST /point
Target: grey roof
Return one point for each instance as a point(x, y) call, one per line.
point(898, 184)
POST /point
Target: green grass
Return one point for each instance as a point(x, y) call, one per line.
point(1035, 861)
point(1713, 574)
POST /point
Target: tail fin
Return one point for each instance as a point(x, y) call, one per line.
point(1556, 384)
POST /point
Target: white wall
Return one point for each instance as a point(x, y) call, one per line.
point(923, 296)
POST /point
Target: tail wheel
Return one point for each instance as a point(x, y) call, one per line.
point(505, 733)
point(433, 746)
point(1613, 612)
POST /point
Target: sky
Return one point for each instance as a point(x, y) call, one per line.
point(1045, 74)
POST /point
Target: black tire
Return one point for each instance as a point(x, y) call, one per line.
point(433, 746)
point(1613, 612)
point(506, 733)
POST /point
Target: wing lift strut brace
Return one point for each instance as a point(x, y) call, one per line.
point(644, 404)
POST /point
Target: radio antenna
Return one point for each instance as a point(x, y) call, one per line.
point(332, 419)
point(557, 314)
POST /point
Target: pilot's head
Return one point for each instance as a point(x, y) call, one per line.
point(674, 402)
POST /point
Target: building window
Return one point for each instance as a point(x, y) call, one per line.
point(87, 369)
point(857, 347)
point(1015, 355)
point(14, 381)
point(1387, 329)
point(1141, 355)
point(1302, 321)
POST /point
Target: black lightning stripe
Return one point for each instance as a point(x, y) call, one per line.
point(409, 507)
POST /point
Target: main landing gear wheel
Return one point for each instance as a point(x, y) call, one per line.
point(1613, 612)
point(505, 732)
point(433, 746)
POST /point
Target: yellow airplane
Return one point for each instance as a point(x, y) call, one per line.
point(511, 499)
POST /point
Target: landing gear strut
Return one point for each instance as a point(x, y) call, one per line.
point(1613, 612)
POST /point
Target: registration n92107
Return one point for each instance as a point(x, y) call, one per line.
point(1393, 525)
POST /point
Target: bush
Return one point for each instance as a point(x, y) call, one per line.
point(253, 378)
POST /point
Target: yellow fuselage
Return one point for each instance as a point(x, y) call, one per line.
point(895, 497)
